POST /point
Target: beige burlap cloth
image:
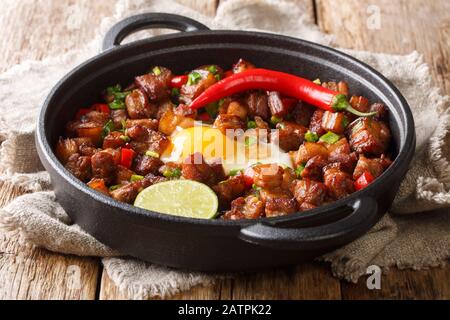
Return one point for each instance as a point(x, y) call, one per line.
point(412, 235)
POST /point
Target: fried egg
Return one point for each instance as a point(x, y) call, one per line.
point(237, 150)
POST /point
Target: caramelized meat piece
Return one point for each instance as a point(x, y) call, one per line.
point(249, 207)
point(147, 123)
point(288, 135)
point(230, 189)
point(369, 136)
point(237, 109)
point(91, 130)
point(119, 117)
point(195, 168)
point(114, 140)
point(340, 152)
point(258, 105)
point(338, 182)
point(374, 166)
point(305, 206)
point(315, 124)
point(104, 166)
point(155, 87)
point(309, 191)
point(242, 65)
point(302, 113)
point(80, 167)
point(128, 193)
point(341, 86)
point(360, 103)
point(309, 150)
point(123, 175)
point(261, 124)
point(144, 139)
point(144, 165)
point(226, 122)
point(268, 175)
point(278, 202)
point(334, 121)
point(313, 168)
point(288, 179)
point(276, 105)
point(99, 118)
point(99, 185)
point(172, 118)
point(190, 91)
point(65, 148)
point(86, 147)
point(330, 85)
point(138, 105)
point(381, 110)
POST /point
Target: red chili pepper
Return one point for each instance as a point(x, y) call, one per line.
point(178, 81)
point(287, 84)
point(126, 157)
point(82, 112)
point(101, 107)
point(249, 177)
point(364, 180)
point(228, 73)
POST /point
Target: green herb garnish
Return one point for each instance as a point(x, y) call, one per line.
point(317, 81)
point(152, 154)
point(194, 78)
point(118, 97)
point(175, 92)
point(125, 138)
point(250, 141)
point(112, 188)
point(136, 178)
point(299, 170)
point(275, 120)
point(235, 172)
point(251, 125)
point(212, 69)
point(108, 128)
point(330, 137)
point(311, 136)
point(172, 173)
point(156, 71)
point(212, 109)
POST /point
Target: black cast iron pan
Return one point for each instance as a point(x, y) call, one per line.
point(213, 245)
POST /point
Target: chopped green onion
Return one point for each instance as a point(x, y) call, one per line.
point(113, 89)
point(172, 173)
point(281, 125)
point(251, 125)
point(212, 69)
point(345, 122)
point(299, 170)
point(235, 172)
point(152, 154)
point(221, 102)
point(255, 187)
point(123, 122)
point(108, 128)
point(275, 120)
point(250, 141)
point(117, 104)
point(125, 138)
point(317, 81)
point(212, 109)
point(135, 178)
point(330, 137)
point(112, 188)
point(194, 78)
point(311, 136)
point(156, 71)
point(218, 77)
point(175, 92)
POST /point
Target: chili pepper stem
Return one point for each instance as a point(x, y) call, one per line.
point(340, 103)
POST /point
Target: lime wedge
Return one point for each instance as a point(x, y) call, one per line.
point(184, 198)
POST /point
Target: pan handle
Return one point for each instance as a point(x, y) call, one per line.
point(153, 20)
point(364, 214)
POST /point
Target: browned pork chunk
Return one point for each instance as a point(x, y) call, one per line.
point(99, 185)
point(104, 166)
point(114, 140)
point(369, 136)
point(315, 124)
point(119, 117)
point(144, 139)
point(249, 207)
point(276, 105)
point(235, 108)
point(138, 105)
point(334, 121)
point(374, 166)
point(278, 202)
point(200, 79)
point(309, 150)
point(156, 87)
point(195, 168)
point(65, 148)
point(340, 152)
point(338, 182)
point(313, 168)
point(242, 66)
point(80, 167)
point(147, 123)
point(302, 113)
point(226, 122)
point(144, 165)
point(309, 191)
point(230, 189)
point(288, 135)
point(128, 192)
point(258, 105)
point(268, 176)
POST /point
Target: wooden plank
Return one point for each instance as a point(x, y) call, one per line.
point(404, 26)
point(35, 30)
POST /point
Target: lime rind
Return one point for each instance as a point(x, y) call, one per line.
point(183, 198)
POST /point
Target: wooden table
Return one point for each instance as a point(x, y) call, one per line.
point(37, 29)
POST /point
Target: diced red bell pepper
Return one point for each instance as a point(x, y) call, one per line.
point(249, 177)
point(204, 117)
point(82, 112)
point(126, 157)
point(364, 180)
point(178, 81)
point(101, 107)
